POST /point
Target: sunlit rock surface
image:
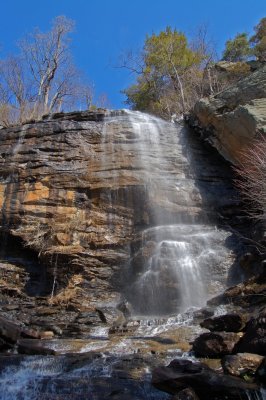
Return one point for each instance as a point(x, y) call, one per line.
point(232, 118)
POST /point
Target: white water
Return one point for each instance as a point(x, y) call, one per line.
point(176, 258)
point(176, 274)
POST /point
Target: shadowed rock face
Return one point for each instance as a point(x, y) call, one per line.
point(232, 118)
point(80, 188)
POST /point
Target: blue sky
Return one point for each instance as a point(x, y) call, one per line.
point(105, 28)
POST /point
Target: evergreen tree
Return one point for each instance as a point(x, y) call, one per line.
point(164, 82)
point(237, 49)
point(259, 40)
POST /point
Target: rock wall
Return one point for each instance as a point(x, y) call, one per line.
point(232, 118)
point(74, 191)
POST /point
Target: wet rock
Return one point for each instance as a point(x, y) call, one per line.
point(205, 312)
point(47, 335)
point(10, 307)
point(53, 346)
point(186, 394)
point(9, 330)
point(254, 339)
point(111, 316)
point(261, 372)
point(4, 345)
point(251, 293)
point(243, 365)
point(56, 330)
point(12, 331)
point(126, 308)
point(41, 311)
point(226, 323)
point(182, 374)
point(248, 264)
point(215, 344)
point(89, 317)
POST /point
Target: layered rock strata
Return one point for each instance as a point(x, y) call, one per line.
point(74, 191)
point(231, 119)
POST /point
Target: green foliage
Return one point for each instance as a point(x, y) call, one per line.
point(161, 86)
point(168, 51)
point(237, 49)
point(259, 40)
point(140, 95)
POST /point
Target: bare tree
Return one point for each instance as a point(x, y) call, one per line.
point(86, 94)
point(48, 59)
point(15, 88)
point(43, 78)
point(103, 101)
point(252, 178)
point(204, 47)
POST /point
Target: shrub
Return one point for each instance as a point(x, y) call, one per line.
point(252, 178)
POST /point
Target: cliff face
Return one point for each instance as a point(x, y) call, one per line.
point(232, 118)
point(79, 190)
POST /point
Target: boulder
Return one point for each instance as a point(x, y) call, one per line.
point(232, 118)
point(180, 374)
point(111, 316)
point(250, 293)
point(186, 394)
point(11, 331)
point(254, 339)
point(261, 372)
point(126, 308)
point(243, 365)
point(89, 317)
point(226, 323)
point(215, 344)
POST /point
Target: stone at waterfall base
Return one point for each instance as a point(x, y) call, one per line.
point(215, 344)
point(186, 394)
point(181, 374)
point(225, 323)
point(254, 339)
point(243, 365)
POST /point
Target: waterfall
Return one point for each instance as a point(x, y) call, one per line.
point(177, 266)
point(170, 270)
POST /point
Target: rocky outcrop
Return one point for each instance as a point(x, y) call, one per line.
point(231, 119)
point(74, 191)
point(215, 344)
point(249, 295)
point(181, 374)
point(243, 364)
point(254, 339)
point(226, 323)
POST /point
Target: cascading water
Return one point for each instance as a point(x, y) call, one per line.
point(177, 268)
point(169, 272)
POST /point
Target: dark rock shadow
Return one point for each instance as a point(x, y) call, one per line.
point(222, 205)
point(34, 277)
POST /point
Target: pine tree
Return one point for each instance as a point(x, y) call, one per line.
point(237, 49)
